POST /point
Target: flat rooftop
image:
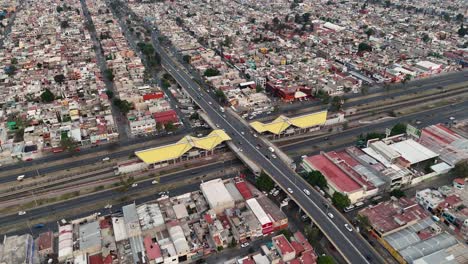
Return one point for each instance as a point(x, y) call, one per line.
point(333, 173)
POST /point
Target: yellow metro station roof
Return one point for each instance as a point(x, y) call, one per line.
point(283, 122)
point(176, 150)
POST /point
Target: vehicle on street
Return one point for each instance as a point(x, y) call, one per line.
point(271, 149)
point(135, 185)
point(272, 190)
point(20, 178)
point(255, 135)
point(276, 193)
point(452, 118)
point(246, 244)
point(154, 182)
point(330, 215)
point(349, 208)
point(306, 191)
point(217, 125)
point(290, 190)
point(242, 132)
point(37, 226)
point(21, 212)
point(273, 156)
point(221, 109)
point(106, 159)
point(108, 206)
point(210, 103)
point(350, 229)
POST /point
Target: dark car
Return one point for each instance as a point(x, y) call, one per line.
point(39, 226)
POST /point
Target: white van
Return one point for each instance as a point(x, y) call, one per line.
point(20, 178)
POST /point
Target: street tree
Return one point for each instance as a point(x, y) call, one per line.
point(68, 144)
point(340, 200)
point(316, 178)
point(461, 169)
point(264, 182)
point(397, 129)
point(398, 193)
point(325, 260)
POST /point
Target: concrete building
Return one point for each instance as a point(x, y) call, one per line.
point(429, 199)
point(262, 217)
point(18, 249)
point(217, 195)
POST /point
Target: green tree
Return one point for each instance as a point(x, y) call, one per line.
point(47, 96)
point(316, 178)
point(363, 221)
point(123, 105)
point(68, 144)
point(364, 47)
point(426, 38)
point(221, 95)
point(397, 129)
point(462, 31)
point(459, 17)
point(64, 24)
point(109, 75)
point(109, 94)
point(264, 182)
point(169, 126)
point(461, 169)
point(186, 58)
point(59, 78)
point(165, 84)
point(397, 193)
point(325, 260)
point(340, 200)
point(369, 32)
point(406, 79)
point(194, 116)
point(312, 234)
point(211, 72)
point(336, 103)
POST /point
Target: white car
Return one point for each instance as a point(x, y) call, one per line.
point(21, 212)
point(209, 102)
point(246, 244)
point(350, 229)
point(306, 191)
point(452, 118)
point(109, 206)
point(255, 135)
point(217, 125)
point(106, 159)
point(154, 182)
point(242, 132)
point(290, 190)
point(273, 156)
point(330, 215)
point(135, 185)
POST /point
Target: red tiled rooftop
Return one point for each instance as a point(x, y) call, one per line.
point(283, 244)
point(450, 201)
point(95, 259)
point(294, 261)
point(460, 181)
point(45, 240)
point(151, 96)
point(384, 216)
point(308, 258)
point(152, 249)
point(166, 117)
point(297, 247)
point(333, 173)
point(248, 261)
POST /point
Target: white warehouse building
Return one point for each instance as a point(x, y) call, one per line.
point(217, 195)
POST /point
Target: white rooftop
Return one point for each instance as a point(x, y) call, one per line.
point(413, 151)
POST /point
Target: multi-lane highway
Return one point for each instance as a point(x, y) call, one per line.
point(350, 244)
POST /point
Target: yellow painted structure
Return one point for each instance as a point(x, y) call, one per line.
point(282, 123)
point(176, 150)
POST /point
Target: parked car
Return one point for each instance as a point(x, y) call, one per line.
point(21, 212)
point(135, 185)
point(290, 190)
point(350, 229)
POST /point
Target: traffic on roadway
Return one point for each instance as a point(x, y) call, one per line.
point(350, 244)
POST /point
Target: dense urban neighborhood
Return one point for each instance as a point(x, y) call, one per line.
point(234, 132)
